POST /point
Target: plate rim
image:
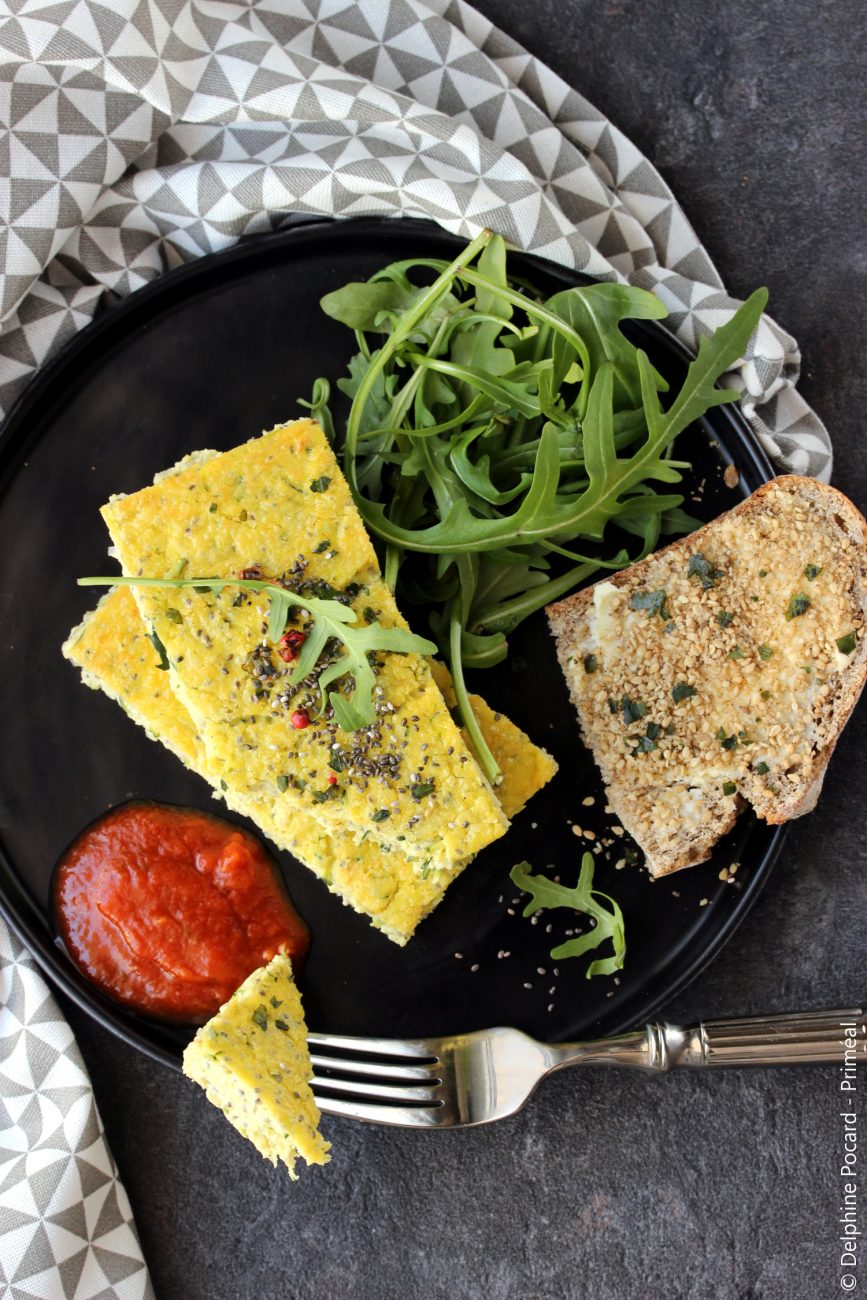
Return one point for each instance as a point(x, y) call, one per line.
point(16, 436)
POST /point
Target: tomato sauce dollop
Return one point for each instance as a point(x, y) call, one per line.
point(168, 910)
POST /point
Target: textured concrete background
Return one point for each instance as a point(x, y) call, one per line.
point(609, 1187)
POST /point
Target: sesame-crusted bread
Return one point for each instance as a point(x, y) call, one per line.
point(721, 670)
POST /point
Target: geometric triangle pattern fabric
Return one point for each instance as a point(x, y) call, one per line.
point(145, 133)
point(66, 1227)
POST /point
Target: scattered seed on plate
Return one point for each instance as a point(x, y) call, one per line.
point(703, 902)
point(473, 969)
point(588, 802)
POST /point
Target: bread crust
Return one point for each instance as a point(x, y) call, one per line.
point(567, 620)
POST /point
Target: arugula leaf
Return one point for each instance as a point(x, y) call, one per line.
point(545, 893)
point(330, 619)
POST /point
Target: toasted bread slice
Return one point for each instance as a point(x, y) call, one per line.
point(721, 670)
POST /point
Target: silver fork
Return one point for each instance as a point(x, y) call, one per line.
point(479, 1077)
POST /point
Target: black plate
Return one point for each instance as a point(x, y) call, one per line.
point(206, 357)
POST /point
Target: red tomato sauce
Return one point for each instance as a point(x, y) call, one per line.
point(168, 910)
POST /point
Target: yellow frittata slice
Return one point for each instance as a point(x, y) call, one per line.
point(280, 505)
point(114, 654)
point(251, 1058)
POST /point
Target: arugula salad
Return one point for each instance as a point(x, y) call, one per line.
point(496, 440)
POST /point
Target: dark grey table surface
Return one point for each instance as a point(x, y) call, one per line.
point(609, 1187)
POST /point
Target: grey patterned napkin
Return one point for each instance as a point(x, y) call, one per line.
point(66, 1227)
point(143, 133)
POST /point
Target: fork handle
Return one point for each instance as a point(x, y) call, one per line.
point(806, 1037)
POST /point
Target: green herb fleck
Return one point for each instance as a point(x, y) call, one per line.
point(632, 709)
point(276, 1002)
point(422, 790)
point(157, 644)
point(223, 785)
point(765, 652)
point(320, 796)
point(337, 762)
point(282, 1026)
point(322, 547)
point(590, 663)
point(737, 653)
point(727, 742)
point(381, 815)
point(651, 601)
point(212, 508)
point(299, 783)
point(762, 768)
point(812, 572)
point(545, 893)
point(320, 484)
point(729, 787)
point(613, 706)
point(260, 1017)
point(282, 783)
point(670, 729)
point(725, 618)
point(763, 573)
point(174, 615)
point(682, 691)
point(701, 568)
point(798, 605)
point(846, 644)
point(647, 743)
point(766, 695)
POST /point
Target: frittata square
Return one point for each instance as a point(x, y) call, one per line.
point(252, 1060)
point(279, 505)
